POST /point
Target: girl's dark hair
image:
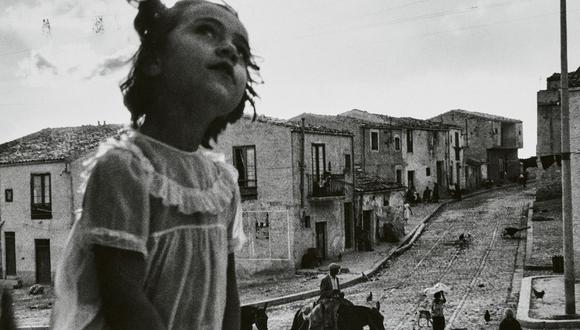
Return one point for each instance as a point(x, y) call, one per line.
point(153, 23)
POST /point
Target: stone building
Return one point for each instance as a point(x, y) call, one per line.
point(380, 205)
point(377, 146)
point(549, 176)
point(430, 152)
point(288, 208)
point(491, 144)
point(378, 163)
point(297, 187)
point(575, 164)
point(39, 176)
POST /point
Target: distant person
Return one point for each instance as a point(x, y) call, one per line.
point(407, 212)
point(427, 195)
point(509, 322)
point(437, 311)
point(161, 219)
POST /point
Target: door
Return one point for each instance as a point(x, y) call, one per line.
point(440, 174)
point(42, 249)
point(348, 225)
point(411, 179)
point(10, 241)
point(367, 229)
point(321, 239)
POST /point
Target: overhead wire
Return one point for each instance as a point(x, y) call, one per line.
point(444, 13)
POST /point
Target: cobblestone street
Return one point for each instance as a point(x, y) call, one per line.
point(480, 274)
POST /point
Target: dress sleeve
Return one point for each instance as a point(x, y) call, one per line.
point(236, 236)
point(116, 203)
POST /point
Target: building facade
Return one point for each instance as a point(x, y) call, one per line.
point(379, 165)
point(297, 188)
point(39, 177)
point(430, 152)
point(491, 145)
point(549, 175)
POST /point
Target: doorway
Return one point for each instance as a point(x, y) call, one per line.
point(348, 225)
point(411, 179)
point(42, 249)
point(10, 243)
point(440, 178)
point(321, 239)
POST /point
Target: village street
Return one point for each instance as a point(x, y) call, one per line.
point(479, 274)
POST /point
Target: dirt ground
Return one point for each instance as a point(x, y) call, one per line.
point(547, 232)
point(32, 310)
point(480, 275)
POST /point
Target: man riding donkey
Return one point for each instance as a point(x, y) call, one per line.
point(331, 297)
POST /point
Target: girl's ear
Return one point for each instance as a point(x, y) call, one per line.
point(152, 65)
point(152, 68)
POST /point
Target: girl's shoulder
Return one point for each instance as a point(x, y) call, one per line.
point(115, 151)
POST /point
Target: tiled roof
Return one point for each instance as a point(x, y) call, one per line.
point(340, 120)
point(53, 144)
point(296, 126)
point(481, 115)
point(367, 183)
point(573, 78)
point(402, 122)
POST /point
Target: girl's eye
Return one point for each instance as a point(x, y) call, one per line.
point(207, 31)
point(243, 53)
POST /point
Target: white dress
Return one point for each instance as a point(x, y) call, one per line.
point(181, 210)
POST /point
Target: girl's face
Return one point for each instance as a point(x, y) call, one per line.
point(204, 61)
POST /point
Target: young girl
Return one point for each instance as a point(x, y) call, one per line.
point(153, 248)
point(437, 311)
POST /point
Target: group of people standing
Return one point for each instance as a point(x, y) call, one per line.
point(429, 196)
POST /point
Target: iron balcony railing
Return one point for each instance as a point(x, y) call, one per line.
point(327, 185)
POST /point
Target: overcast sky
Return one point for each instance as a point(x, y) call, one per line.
point(414, 58)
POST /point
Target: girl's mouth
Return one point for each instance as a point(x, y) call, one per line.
point(223, 67)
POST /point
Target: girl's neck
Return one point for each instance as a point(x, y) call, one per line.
point(170, 126)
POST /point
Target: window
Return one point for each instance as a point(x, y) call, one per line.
point(347, 163)
point(457, 147)
point(374, 140)
point(411, 179)
point(428, 171)
point(399, 177)
point(318, 160)
point(386, 197)
point(306, 221)
point(397, 143)
point(8, 195)
point(245, 163)
point(409, 140)
point(40, 198)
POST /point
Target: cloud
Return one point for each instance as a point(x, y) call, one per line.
point(71, 62)
point(112, 63)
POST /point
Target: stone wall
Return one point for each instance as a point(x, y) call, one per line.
point(17, 216)
point(575, 169)
point(269, 248)
point(549, 181)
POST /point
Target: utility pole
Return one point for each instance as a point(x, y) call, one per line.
point(569, 276)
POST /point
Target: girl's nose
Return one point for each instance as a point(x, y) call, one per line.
point(228, 50)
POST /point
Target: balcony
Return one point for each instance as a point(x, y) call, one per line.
point(248, 189)
point(329, 186)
